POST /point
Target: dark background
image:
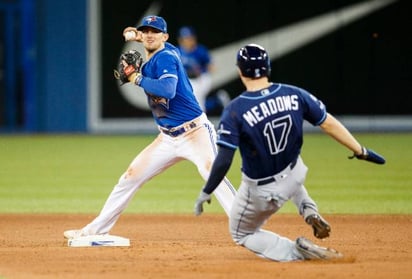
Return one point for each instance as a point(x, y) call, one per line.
point(364, 68)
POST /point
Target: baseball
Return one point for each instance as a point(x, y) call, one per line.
point(130, 35)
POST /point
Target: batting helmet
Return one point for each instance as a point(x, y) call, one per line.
point(253, 61)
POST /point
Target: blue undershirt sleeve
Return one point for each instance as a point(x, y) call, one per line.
point(164, 87)
point(220, 167)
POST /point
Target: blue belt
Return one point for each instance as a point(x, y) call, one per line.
point(273, 179)
point(177, 132)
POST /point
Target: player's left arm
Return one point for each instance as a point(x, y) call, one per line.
point(164, 82)
point(165, 87)
point(340, 133)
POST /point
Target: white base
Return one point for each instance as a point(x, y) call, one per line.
point(98, 241)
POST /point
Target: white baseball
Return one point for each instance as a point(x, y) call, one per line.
point(130, 35)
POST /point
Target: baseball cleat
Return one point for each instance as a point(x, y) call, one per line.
point(321, 228)
point(311, 251)
point(73, 234)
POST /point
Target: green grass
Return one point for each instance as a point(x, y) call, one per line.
point(75, 173)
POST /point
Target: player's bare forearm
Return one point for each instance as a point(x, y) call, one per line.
point(336, 130)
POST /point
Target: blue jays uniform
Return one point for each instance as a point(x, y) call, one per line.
point(169, 110)
point(185, 134)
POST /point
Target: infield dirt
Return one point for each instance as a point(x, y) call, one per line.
point(185, 246)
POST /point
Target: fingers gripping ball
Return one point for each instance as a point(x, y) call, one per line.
point(129, 66)
point(130, 35)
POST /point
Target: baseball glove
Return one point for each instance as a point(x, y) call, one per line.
point(369, 155)
point(130, 63)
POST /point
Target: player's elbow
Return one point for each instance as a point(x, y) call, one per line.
point(329, 124)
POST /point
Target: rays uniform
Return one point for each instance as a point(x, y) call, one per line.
point(273, 117)
point(267, 127)
point(266, 123)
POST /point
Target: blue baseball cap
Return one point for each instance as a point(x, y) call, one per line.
point(186, 31)
point(155, 22)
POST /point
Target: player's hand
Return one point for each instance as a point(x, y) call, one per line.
point(369, 155)
point(132, 30)
point(203, 197)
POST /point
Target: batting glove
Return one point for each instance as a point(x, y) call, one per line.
point(369, 155)
point(203, 197)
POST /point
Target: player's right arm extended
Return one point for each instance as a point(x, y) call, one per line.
point(336, 130)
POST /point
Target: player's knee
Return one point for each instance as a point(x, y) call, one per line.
point(237, 235)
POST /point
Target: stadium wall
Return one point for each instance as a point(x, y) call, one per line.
point(351, 54)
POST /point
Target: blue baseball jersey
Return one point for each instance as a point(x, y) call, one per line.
point(195, 61)
point(170, 94)
point(267, 127)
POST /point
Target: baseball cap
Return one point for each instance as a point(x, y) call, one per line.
point(155, 22)
point(186, 31)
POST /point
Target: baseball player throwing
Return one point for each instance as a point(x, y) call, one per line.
point(265, 123)
point(185, 131)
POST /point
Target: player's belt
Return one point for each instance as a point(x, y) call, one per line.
point(174, 132)
point(273, 179)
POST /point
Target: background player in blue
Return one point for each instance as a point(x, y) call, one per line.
point(265, 123)
point(199, 66)
point(197, 62)
point(185, 131)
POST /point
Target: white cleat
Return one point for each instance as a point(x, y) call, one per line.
point(73, 234)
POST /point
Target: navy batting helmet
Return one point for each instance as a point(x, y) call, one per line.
point(253, 61)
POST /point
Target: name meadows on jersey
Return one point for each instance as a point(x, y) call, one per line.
point(270, 107)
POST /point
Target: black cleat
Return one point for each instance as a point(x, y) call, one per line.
point(321, 228)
